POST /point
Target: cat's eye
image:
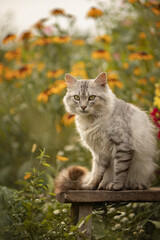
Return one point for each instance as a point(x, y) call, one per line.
point(92, 97)
point(76, 97)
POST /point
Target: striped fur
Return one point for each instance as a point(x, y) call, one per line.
point(119, 135)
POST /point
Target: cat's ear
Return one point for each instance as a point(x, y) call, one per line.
point(70, 80)
point(101, 79)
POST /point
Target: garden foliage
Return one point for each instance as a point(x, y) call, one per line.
point(32, 86)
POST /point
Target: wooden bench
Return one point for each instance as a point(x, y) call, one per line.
point(82, 201)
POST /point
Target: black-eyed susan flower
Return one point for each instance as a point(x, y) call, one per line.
point(140, 56)
point(78, 42)
point(57, 87)
point(79, 70)
point(55, 73)
point(157, 64)
point(61, 39)
point(156, 9)
point(26, 35)
point(142, 35)
point(43, 97)
point(101, 54)
point(9, 74)
point(24, 71)
point(9, 38)
point(57, 11)
point(137, 71)
point(104, 38)
point(113, 80)
point(14, 54)
point(142, 81)
point(126, 65)
point(94, 12)
point(68, 119)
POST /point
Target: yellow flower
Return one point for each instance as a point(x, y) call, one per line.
point(9, 38)
point(26, 35)
point(9, 74)
point(142, 35)
point(104, 38)
point(68, 119)
point(15, 54)
point(24, 71)
point(79, 70)
point(94, 12)
point(57, 11)
point(61, 158)
point(157, 101)
point(60, 39)
point(140, 56)
point(157, 90)
point(40, 66)
point(55, 73)
point(43, 97)
point(26, 176)
point(156, 10)
point(132, 1)
point(157, 64)
point(101, 54)
point(113, 80)
point(137, 71)
point(142, 81)
point(57, 87)
point(78, 42)
point(126, 65)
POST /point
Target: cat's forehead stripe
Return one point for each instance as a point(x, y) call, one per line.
point(84, 88)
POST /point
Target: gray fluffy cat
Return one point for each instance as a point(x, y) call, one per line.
point(119, 135)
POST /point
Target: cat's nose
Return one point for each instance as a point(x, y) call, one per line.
point(83, 107)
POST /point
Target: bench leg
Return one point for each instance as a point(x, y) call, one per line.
point(79, 211)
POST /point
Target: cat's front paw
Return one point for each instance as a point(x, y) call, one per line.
point(114, 186)
point(88, 187)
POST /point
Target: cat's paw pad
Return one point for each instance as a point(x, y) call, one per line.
point(114, 186)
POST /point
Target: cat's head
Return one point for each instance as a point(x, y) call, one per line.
point(86, 97)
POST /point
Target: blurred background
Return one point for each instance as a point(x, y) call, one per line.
point(42, 40)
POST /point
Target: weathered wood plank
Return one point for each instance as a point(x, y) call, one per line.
point(84, 210)
point(150, 195)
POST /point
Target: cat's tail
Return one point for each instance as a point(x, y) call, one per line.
point(70, 178)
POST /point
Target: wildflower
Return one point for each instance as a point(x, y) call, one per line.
point(104, 38)
point(57, 87)
point(68, 119)
point(157, 64)
point(55, 73)
point(14, 54)
point(24, 71)
point(116, 217)
point(79, 70)
point(1, 68)
point(117, 226)
point(101, 54)
point(27, 176)
point(156, 10)
point(9, 38)
point(124, 220)
point(61, 39)
point(38, 25)
point(61, 158)
point(131, 215)
point(142, 81)
point(64, 210)
point(56, 212)
point(57, 11)
point(34, 146)
point(142, 35)
point(152, 79)
point(157, 24)
point(157, 96)
point(78, 42)
point(140, 56)
point(94, 12)
point(126, 65)
point(113, 80)
point(132, 1)
point(26, 35)
point(43, 97)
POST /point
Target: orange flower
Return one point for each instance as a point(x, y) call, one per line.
point(137, 71)
point(132, 1)
point(57, 11)
point(61, 158)
point(156, 10)
point(94, 12)
point(26, 35)
point(104, 38)
point(9, 74)
point(60, 39)
point(142, 35)
point(78, 42)
point(157, 64)
point(27, 176)
point(24, 71)
point(126, 65)
point(55, 73)
point(1, 68)
point(140, 56)
point(79, 70)
point(142, 81)
point(43, 97)
point(9, 38)
point(152, 79)
point(68, 119)
point(38, 25)
point(101, 54)
point(113, 80)
point(15, 54)
point(157, 24)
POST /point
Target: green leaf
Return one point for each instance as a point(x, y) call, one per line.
point(155, 223)
point(46, 164)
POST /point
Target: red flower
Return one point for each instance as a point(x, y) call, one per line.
point(156, 117)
